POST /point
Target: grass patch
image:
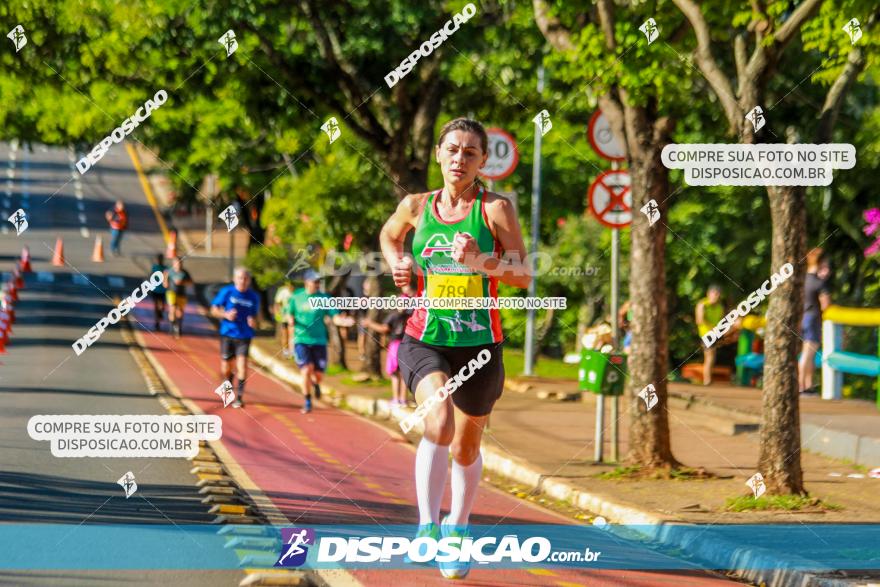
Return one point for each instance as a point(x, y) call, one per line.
point(335, 369)
point(621, 473)
point(661, 474)
point(790, 503)
point(514, 363)
point(375, 383)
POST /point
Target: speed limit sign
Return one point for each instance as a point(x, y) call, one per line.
point(503, 155)
point(603, 140)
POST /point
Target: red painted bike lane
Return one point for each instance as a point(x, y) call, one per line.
point(332, 467)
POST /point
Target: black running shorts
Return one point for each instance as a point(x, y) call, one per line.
point(233, 347)
point(478, 394)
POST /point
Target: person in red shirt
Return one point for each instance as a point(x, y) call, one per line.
point(118, 220)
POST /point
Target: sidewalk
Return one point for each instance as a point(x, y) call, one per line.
point(549, 445)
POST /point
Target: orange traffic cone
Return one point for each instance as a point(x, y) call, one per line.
point(25, 261)
point(58, 255)
point(98, 251)
point(171, 250)
point(13, 291)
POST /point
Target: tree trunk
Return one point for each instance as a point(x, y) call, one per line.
point(649, 442)
point(780, 457)
point(335, 346)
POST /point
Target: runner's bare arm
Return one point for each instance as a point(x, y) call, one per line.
point(513, 268)
point(393, 234)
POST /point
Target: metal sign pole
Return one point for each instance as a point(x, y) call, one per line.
point(536, 218)
point(615, 327)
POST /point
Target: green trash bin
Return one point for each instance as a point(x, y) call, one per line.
point(602, 373)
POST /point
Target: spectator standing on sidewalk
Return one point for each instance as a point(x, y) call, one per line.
point(394, 325)
point(709, 312)
point(817, 297)
point(280, 309)
point(118, 220)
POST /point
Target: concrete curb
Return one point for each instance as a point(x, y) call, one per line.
point(717, 553)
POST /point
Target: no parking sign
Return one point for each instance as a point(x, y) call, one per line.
point(610, 199)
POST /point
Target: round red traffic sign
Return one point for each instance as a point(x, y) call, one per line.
point(610, 199)
point(503, 155)
point(603, 140)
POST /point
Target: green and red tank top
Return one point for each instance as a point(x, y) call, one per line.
point(441, 276)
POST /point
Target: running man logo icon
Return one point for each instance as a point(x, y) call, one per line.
point(19, 221)
point(128, 484)
point(649, 27)
point(18, 38)
point(648, 394)
point(299, 263)
point(225, 392)
point(294, 548)
point(854, 29)
point(229, 42)
point(542, 119)
point(756, 484)
point(756, 117)
point(229, 217)
point(331, 127)
point(652, 211)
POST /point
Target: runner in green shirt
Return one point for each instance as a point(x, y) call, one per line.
point(309, 339)
point(466, 240)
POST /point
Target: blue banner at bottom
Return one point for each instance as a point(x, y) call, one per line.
point(815, 547)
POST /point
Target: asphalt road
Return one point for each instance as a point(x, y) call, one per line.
point(41, 374)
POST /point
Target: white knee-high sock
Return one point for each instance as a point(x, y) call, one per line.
point(465, 482)
point(432, 464)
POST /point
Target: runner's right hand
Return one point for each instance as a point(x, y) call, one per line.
point(231, 314)
point(401, 271)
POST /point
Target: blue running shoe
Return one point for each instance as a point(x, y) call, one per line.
point(431, 530)
point(454, 569)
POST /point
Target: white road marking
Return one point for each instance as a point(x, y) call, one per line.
point(84, 231)
point(79, 279)
point(82, 217)
point(80, 206)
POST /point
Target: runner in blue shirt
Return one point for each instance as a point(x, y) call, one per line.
point(237, 305)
